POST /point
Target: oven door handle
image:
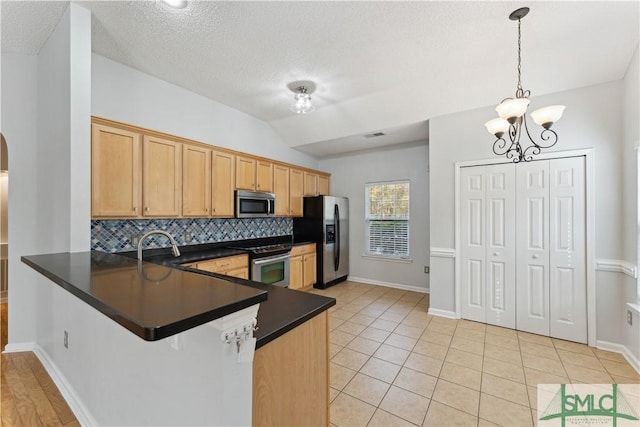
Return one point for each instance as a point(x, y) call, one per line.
point(271, 259)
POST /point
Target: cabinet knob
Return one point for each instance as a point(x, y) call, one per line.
point(147, 209)
point(135, 209)
point(206, 209)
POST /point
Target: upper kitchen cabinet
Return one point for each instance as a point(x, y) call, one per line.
point(245, 173)
point(161, 177)
point(196, 181)
point(310, 184)
point(296, 191)
point(281, 189)
point(224, 167)
point(264, 176)
point(115, 172)
point(323, 185)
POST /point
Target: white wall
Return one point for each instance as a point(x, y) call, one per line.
point(19, 126)
point(592, 120)
point(349, 173)
point(123, 94)
point(631, 158)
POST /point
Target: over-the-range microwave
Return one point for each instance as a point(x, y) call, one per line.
point(255, 204)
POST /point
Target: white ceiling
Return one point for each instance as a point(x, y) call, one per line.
point(378, 66)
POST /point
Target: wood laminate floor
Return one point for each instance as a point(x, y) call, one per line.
point(28, 395)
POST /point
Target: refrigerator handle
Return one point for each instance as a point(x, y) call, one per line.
point(336, 246)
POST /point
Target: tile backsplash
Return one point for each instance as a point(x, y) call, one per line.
point(115, 235)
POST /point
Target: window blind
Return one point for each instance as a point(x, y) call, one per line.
point(387, 218)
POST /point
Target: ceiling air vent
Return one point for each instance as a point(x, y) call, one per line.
point(375, 135)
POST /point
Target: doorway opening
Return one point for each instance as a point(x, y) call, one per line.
point(4, 243)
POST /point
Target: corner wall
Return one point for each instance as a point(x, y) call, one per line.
point(592, 120)
point(350, 173)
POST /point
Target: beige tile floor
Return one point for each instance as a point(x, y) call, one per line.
point(392, 364)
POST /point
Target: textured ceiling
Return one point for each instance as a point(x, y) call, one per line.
point(377, 65)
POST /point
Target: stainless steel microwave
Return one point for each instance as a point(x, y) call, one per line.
point(252, 204)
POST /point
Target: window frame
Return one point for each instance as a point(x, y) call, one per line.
point(404, 219)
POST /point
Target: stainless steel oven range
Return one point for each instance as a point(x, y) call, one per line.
point(269, 264)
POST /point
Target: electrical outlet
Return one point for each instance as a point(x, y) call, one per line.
point(187, 237)
point(66, 339)
point(135, 238)
point(630, 317)
point(426, 269)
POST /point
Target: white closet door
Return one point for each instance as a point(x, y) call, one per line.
point(568, 293)
point(532, 262)
point(500, 245)
point(472, 243)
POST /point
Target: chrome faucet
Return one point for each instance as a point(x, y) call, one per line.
point(174, 246)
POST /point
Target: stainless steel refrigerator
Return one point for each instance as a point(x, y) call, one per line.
point(326, 222)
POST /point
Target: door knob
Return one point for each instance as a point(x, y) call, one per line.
point(536, 256)
point(496, 253)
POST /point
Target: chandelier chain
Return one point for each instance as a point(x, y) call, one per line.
point(519, 88)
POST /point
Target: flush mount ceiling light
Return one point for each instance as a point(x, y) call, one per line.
point(175, 4)
point(301, 103)
point(514, 121)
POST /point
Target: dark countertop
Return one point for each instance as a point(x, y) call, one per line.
point(153, 301)
point(92, 277)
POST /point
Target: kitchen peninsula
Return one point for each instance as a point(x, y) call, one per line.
point(176, 357)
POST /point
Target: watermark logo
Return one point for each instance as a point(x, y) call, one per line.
point(564, 405)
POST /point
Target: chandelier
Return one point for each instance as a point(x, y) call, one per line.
point(301, 103)
point(513, 121)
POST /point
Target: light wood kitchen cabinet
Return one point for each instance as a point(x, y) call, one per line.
point(264, 176)
point(296, 191)
point(310, 184)
point(323, 185)
point(161, 177)
point(245, 173)
point(196, 181)
point(235, 266)
point(302, 266)
point(115, 172)
point(281, 190)
point(291, 377)
point(223, 172)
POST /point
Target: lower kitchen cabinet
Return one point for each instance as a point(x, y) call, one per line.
point(302, 271)
point(291, 377)
point(235, 266)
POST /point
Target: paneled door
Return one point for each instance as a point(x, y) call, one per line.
point(487, 233)
point(523, 246)
point(567, 254)
point(533, 247)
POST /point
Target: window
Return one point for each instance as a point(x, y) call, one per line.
point(387, 219)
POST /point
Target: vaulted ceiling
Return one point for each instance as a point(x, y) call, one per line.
point(378, 66)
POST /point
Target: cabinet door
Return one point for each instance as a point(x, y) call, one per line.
point(223, 171)
point(264, 176)
point(161, 177)
point(281, 189)
point(309, 269)
point(296, 278)
point(196, 181)
point(323, 185)
point(245, 173)
point(310, 184)
point(115, 172)
point(296, 192)
point(242, 273)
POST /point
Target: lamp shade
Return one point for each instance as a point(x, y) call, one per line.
point(510, 109)
point(497, 126)
point(302, 103)
point(547, 116)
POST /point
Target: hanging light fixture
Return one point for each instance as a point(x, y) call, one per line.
point(301, 103)
point(512, 119)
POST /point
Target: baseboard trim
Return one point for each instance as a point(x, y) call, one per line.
point(78, 408)
point(389, 284)
point(19, 347)
point(442, 313)
point(619, 348)
point(617, 266)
